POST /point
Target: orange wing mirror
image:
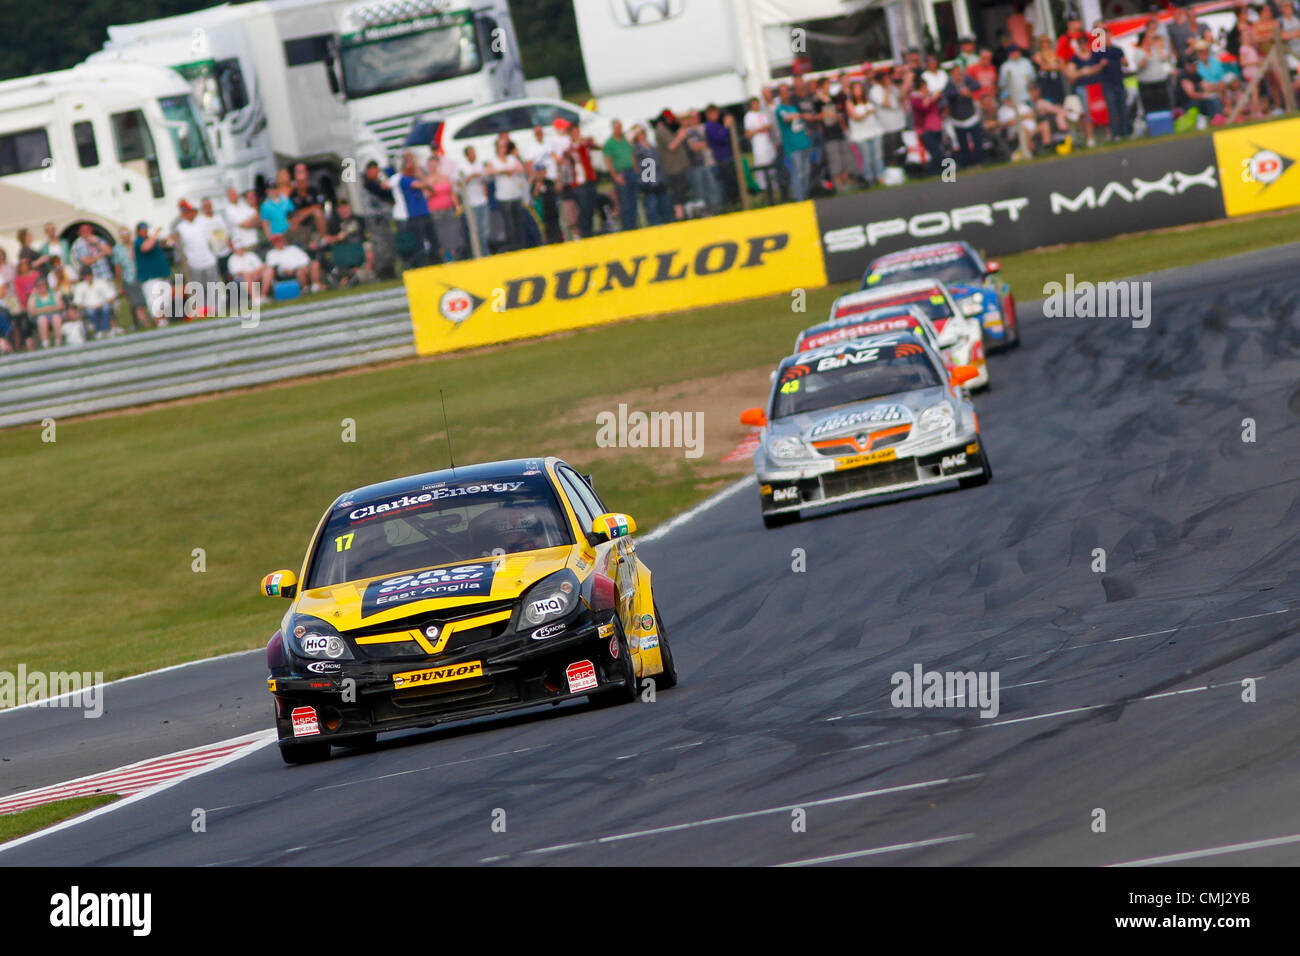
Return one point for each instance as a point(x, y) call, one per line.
point(963, 374)
point(754, 416)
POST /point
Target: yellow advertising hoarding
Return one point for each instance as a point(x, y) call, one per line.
point(668, 268)
point(1258, 167)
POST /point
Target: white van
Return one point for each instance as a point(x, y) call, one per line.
point(107, 144)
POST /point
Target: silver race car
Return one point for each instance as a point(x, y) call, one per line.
point(869, 416)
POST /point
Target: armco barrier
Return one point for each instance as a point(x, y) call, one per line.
point(665, 268)
point(202, 357)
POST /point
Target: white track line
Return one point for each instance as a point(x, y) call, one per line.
point(880, 849)
point(48, 701)
point(1214, 851)
point(677, 827)
point(1092, 645)
point(692, 513)
point(268, 736)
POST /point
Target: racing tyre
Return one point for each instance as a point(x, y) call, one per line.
point(669, 676)
point(983, 478)
point(780, 520)
point(304, 753)
point(628, 691)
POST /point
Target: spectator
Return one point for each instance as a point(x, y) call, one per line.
point(307, 221)
point(934, 78)
point(795, 143)
point(510, 183)
point(1111, 60)
point(620, 161)
point(127, 280)
point(24, 283)
point(717, 130)
point(94, 297)
point(243, 224)
point(652, 184)
point(1212, 93)
point(985, 74)
point(473, 187)
point(705, 188)
point(1155, 66)
point(770, 103)
point(840, 163)
point(584, 177)
point(1081, 73)
point(377, 210)
point(288, 261)
point(275, 211)
point(967, 56)
point(1181, 34)
point(45, 308)
point(1017, 121)
point(344, 226)
point(1018, 27)
point(967, 122)
point(1192, 90)
point(444, 206)
point(670, 144)
point(194, 238)
point(537, 152)
point(758, 131)
point(8, 303)
point(25, 248)
point(546, 202)
point(248, 269)
point(154, 271)
point(51, 247)
point(1015, 76)
point(890, 93)
point(91, 252)
point(912, 66)
point(74, 328)
point(218, 235)
point(865, 134)
point(61, 277)
point(419, 222)
point(1289, 24)
point(927, 120)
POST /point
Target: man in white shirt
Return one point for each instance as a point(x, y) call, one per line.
point(243, 223)
point(94, 297)
point(758, 130)
point(472, 181)
point(195, 239)
point(538, 154)
point(933, 76)
point(245, 266)
point(290, 262)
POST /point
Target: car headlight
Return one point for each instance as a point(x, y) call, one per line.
point(312, 637)
point(550, 599)
point(786, 448)
point(936, 416)
point(973, 306)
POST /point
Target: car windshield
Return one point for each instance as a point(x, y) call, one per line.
point(439, 523)
point(840, 376)
point(188, 138)
point(396, 62)
point(930, 301)
point(946, 266)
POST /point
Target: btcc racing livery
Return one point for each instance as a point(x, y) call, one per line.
point(869, 416)
point(899, 318)
point(972, 282)
point(960, 339)
point(455, 594)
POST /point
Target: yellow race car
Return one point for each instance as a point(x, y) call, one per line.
point(460, 593)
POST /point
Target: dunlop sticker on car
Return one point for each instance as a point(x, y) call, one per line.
point(438, 675)
point(871, 458)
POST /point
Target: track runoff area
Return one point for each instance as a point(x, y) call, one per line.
point(1124, 590)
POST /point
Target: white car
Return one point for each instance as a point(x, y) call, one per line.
point(479, 126)
point(960, 337)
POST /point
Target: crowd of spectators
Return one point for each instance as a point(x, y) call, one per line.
point(809, 135)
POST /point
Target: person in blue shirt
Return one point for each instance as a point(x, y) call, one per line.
point(1110, 59)
point(415, 193)
point(795, 143)
point(275, 210)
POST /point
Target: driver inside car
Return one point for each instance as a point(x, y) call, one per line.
point(508, 529)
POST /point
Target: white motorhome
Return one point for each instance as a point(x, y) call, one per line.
point(211, 50)
point(108, 144)
point(335, 82)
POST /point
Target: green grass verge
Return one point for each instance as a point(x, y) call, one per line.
point(98, 552)
point(14, 825)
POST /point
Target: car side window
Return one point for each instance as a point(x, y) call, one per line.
point(500, 121)
point(580, 507)
point(585, 492)
point(544, 114)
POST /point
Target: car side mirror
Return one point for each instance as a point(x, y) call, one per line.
point(963, 374)
point(992, 267)
point(754, 416)
point(280, 584)
point(612, 525)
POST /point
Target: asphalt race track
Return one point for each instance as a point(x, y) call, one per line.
point(1120, 691)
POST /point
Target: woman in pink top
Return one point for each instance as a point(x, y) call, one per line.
point(444, 206)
